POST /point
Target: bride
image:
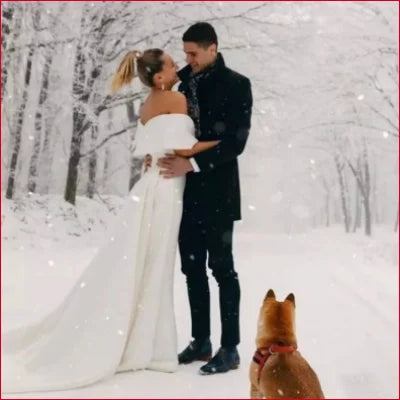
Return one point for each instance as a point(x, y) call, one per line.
point(119, 315)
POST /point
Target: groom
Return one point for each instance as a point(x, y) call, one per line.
point(219, 102)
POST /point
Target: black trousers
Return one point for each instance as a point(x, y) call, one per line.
point(199, 237)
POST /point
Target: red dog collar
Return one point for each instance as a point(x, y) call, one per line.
point(263, 353)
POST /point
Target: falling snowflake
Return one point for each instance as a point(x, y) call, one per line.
point(312, 161)
point(385, 134)
point(51, 263)
point(360, 97)
point(252, 208)
point(280, 392)
point(120, 332)
point(107, 318)
point(31, 137)
point(135, 198)
point(112, 238)
point(290, 145)
point(83, 284)
point(125, 257)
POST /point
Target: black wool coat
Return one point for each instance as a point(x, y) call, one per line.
point(225, 102)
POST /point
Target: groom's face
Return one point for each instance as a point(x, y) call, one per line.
point(199, 57)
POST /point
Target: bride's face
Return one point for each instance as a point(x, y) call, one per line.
point(167, 76)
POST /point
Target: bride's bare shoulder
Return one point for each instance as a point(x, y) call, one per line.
point(177, 102)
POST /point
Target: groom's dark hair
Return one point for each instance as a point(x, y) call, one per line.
point(201, 33)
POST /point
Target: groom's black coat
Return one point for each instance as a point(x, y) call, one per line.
point(225, 102)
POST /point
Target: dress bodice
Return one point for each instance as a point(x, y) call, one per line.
point(164, 132)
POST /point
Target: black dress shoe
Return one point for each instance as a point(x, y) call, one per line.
point(227, 358)
point(197, 350)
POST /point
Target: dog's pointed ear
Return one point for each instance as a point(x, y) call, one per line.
point(270, 295)
point(290, 297)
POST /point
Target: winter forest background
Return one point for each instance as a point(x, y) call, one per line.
point(323, 147)
point(319, 173)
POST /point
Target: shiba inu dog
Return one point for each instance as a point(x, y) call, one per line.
point(278, 370)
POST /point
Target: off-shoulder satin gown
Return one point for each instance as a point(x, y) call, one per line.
point(119, 315)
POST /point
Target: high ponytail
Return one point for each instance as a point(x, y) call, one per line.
point(126, 71)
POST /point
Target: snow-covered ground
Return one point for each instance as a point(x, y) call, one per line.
point(346, 289)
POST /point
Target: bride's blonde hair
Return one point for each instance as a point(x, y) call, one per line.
point(144, 65)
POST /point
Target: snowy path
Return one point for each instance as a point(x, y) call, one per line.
point(347, 311)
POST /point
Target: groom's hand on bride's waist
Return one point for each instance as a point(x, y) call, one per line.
point(172, 166)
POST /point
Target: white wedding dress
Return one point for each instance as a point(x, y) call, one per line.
point(119, 315)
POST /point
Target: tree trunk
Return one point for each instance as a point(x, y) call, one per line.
point(367, 190)
point(374, 195)
point(106, 168)
point(327, 202)
point(92, 163)
point(343, 197)
point(18, 127)
point(43, 94)
point(362, 176)
point(78, 119)
point(46, 160)
point(10, 29)
point(357, 218)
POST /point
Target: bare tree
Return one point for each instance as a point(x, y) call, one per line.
point(10, 29)
point(357, 201)
point(343, 192)
point(49, 53)
point(363, 178)
point(16, 133)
